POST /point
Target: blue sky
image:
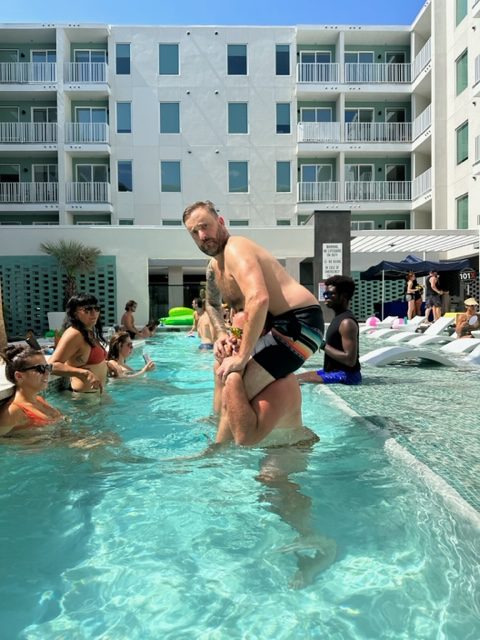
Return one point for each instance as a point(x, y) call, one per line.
point(191, 12)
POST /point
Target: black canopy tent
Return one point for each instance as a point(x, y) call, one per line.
point(387, 270)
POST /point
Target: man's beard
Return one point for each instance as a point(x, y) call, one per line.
point(217, 245)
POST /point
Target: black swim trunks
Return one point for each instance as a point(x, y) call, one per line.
point(290, 339)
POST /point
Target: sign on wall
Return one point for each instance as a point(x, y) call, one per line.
point(332, 259)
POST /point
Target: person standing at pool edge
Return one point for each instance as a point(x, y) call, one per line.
point(284, 322)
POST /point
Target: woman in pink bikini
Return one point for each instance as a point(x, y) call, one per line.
point(80, 353)
point(28, 370)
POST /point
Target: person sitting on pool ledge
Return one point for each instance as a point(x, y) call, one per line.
point(28, 370)
point(341, 363)
point(80, 353)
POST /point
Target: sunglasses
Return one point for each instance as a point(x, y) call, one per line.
point(328, 295)
point(39, 368)
point(89, 308)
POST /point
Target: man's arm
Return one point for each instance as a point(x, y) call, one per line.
point(349, 333)
point(213, 307)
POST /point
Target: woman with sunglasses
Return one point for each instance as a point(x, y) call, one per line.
point(119, 350)
point(80, 353)
point(28, 370)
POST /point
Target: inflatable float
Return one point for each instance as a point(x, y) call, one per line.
point(178, 316)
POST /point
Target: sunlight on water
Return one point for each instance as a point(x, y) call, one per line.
point(134, 540)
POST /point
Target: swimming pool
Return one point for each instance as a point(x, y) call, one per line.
point(124, 541)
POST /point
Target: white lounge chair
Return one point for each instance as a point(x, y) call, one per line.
point(434, 330)
point(386, 323)
point(460, 345)
point(387, 355)
point(474, 357)
point(6, 387)
point(407, 329)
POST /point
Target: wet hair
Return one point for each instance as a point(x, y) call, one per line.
point(130, 304)
point(343, 284)
point(152, 325)
point(16, 358)
point(200, 204)
point(83, 300)
point(198, 302)
point(116, 343)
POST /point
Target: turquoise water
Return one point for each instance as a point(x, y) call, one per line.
point(124, 541)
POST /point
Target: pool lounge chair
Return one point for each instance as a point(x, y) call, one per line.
point(460, 345)
point(387, 355)
point(474, 357)
point(6, 387)
point(407, 329)
point(433, 331)
point(386, 323)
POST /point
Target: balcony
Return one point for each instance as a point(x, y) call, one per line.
point(422, 59)
point(476, 82)
point(371, 73)
point(422, 184)
point(86, 133)
point(354, 191)
point(476, 165)
point(313, 72)
point(422, 122)
point(88, 192)
point(85, 72)
point(28, 192)
point(367, 132)
point(28, 132)
point(27, 72)
point(476, 8)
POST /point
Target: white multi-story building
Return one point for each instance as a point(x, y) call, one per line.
point(108, 132)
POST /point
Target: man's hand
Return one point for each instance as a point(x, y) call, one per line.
point(222, 347)
point(230, 364)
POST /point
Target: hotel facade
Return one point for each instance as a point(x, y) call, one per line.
point(108, 132)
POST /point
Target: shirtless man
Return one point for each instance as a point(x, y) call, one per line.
point(80, 353)
point(202, 325)
point(247, 277)
point(128, 320)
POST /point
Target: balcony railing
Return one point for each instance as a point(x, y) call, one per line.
point(28, 132)
point(477, 149)
point(381, 132)
point(422, 122)
point(377, 191)
point(318, 72)
point(318, 191)
point(27, 72)
point(319, 132)
point(422, 184)
point(477, 70)
point(86, 72)
point(371, 73)
point(378, 132)
point(28, 192)
point(92, 192)
point(422, 59)
point(86, 133)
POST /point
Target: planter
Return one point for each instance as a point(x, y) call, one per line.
point(55, 320)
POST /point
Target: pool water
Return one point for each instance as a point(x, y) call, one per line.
point(135, 540)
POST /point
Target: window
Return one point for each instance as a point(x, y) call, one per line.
point(91, 173)
point(169, 117)
point(283, 117)
point(315, 114)
point(170, 176)
point(282, 59)
point(237, 117)
point(316, 173)
point(238, 223)
point(172, 223)
point(395, 172)
point(237, 59)
point(462, 212)
point(357, 57)
point(359, 115)
point(124, 117)
point(395, 57)
point(91, 115)
point(284, 222)
point(283, 177)
point(90, 56)
point(361, 225)
point(125, 182)
point(44, 173)
point(394, 225)
point(238, 177)
point(122, 57)
point(358, 172)
point(47, 55)
point(462, 142)
point(126, 222)
point(168, 64)
point(461, 64)
point(316, 57)
point(44, 114)
point(9, 173)
point(461, 10)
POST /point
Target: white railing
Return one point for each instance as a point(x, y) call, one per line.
point(378, 132)
point(477, 149)
point(318, 72)
point(88, 192)
point(86, 72)
point(422, 122)
point(28, 192)
point(318, 132)
point(422, 184)
point(477, 70)
point(86, 133)
point(370, 72)
point(28, 132)
point(376, 191)
point(27, 72)
point(318, 191)
point(422, 59)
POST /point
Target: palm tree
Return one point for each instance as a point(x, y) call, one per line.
point(3, 332)
point(73, 258)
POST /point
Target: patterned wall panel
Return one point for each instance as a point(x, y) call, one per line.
point(33, 285)
point(369, 292)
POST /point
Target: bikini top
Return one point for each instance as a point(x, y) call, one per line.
point(97, 355)
point(35, 416)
